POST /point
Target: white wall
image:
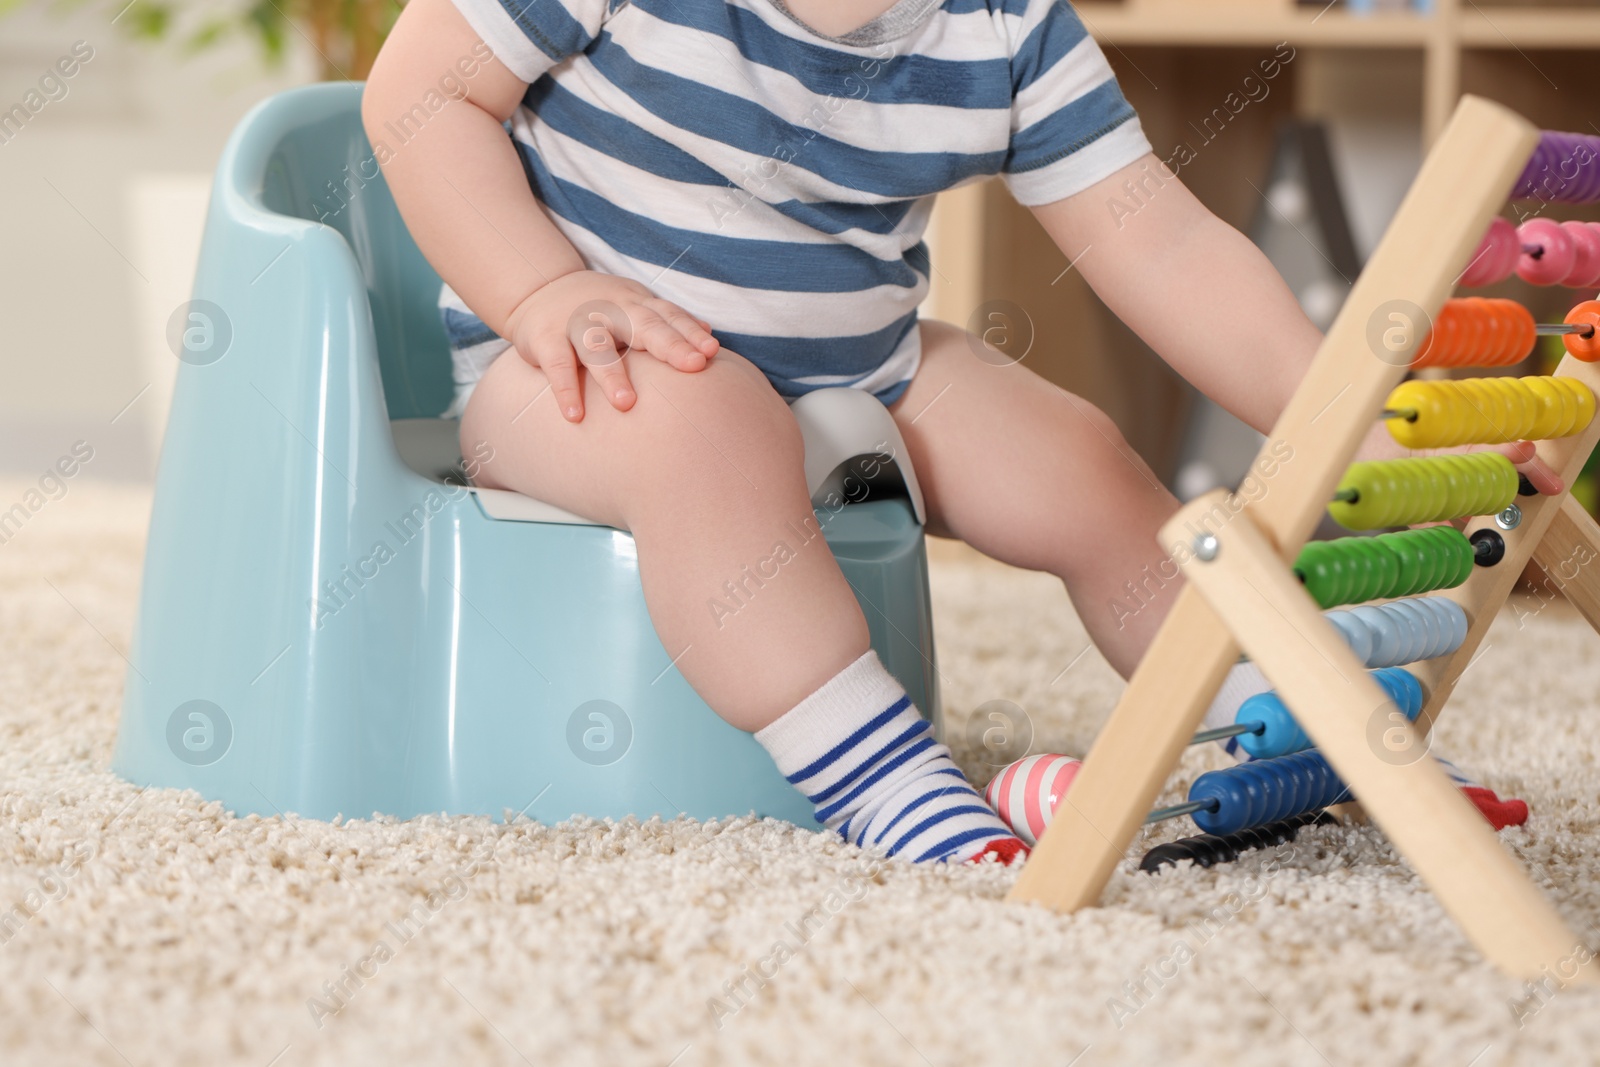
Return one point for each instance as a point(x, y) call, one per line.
point(74, 270)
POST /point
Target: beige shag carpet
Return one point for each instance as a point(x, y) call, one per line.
point(155, 929)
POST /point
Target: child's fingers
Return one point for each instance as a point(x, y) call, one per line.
point(555, 357)
point(663, 340)
point(598, 349)
point(1526, 458)
point(696, 331)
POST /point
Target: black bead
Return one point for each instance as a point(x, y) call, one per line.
point(1488, 547)
point(1207, 850)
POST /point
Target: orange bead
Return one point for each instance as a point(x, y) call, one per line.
point(1524, 335)
point(1581, 347)
point(1496, 324)
point(1476, 331)
point(1468, 333)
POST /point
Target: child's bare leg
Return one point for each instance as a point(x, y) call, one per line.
point(707, 471)
point(1027, 473)
point(1033, 476)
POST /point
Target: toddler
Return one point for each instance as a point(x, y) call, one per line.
point(705, 208)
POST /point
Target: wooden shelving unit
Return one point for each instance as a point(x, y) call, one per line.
point(1136, 23)
point(1454, 26)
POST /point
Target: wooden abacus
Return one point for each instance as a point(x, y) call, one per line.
point(1237, 554)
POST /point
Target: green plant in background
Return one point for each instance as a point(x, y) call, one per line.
point(344, 34)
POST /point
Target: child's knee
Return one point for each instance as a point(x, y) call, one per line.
point(730, 410)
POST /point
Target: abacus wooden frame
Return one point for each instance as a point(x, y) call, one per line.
point(1246, 595)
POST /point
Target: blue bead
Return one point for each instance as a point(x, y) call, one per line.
point(1254, 794)
point(1279, 733)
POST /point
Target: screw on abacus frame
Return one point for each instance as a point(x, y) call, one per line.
point(1253, 488)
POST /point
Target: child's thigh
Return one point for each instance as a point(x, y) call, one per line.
point(1014, 464)
point(691, 441)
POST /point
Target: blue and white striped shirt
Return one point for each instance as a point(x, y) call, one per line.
point(776, 182)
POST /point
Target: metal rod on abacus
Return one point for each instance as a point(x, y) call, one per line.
point(1559, 329)
point(1186, 808)
point(1222, 733)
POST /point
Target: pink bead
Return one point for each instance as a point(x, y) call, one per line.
point(1496, 258)
point(1026, 793)
point(1586, 241)
point(1557, 255)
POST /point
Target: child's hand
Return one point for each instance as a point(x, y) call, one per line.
point(596, 318)
point(1526, 459)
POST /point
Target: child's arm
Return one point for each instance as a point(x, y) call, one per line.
point(1194, 288)
point(465, 198)
point(1206, 299)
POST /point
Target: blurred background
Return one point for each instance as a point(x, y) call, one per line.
point(1302, 124)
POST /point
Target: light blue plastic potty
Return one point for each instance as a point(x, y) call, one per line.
point(327, 627)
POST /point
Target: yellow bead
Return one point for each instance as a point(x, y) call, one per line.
point(1489, 411)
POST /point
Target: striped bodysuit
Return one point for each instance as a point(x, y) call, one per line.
point(776, 182)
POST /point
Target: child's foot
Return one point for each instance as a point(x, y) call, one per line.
point(868, 762)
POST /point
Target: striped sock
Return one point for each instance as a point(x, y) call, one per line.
point(868, 762)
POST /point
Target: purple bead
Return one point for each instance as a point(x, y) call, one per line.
point(1564, 168)
point(1537, 166)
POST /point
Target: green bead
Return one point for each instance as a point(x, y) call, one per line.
point(1404, 492)
point(1350, 570)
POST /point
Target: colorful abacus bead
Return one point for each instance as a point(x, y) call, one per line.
point(1264, 791)
point(1350, 570)
point(1280, 732)
point(1538, 254)
point(1548, 252)
point(1496, 258)
point(1442, 414)
point(1586, 263)
point(1564, 168)
point(1475, 331)
point(1404, 492)
point(1579, 346)
point(1025, 793)
point(1402, 631)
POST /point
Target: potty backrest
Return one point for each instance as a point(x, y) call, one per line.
point(325, 170)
